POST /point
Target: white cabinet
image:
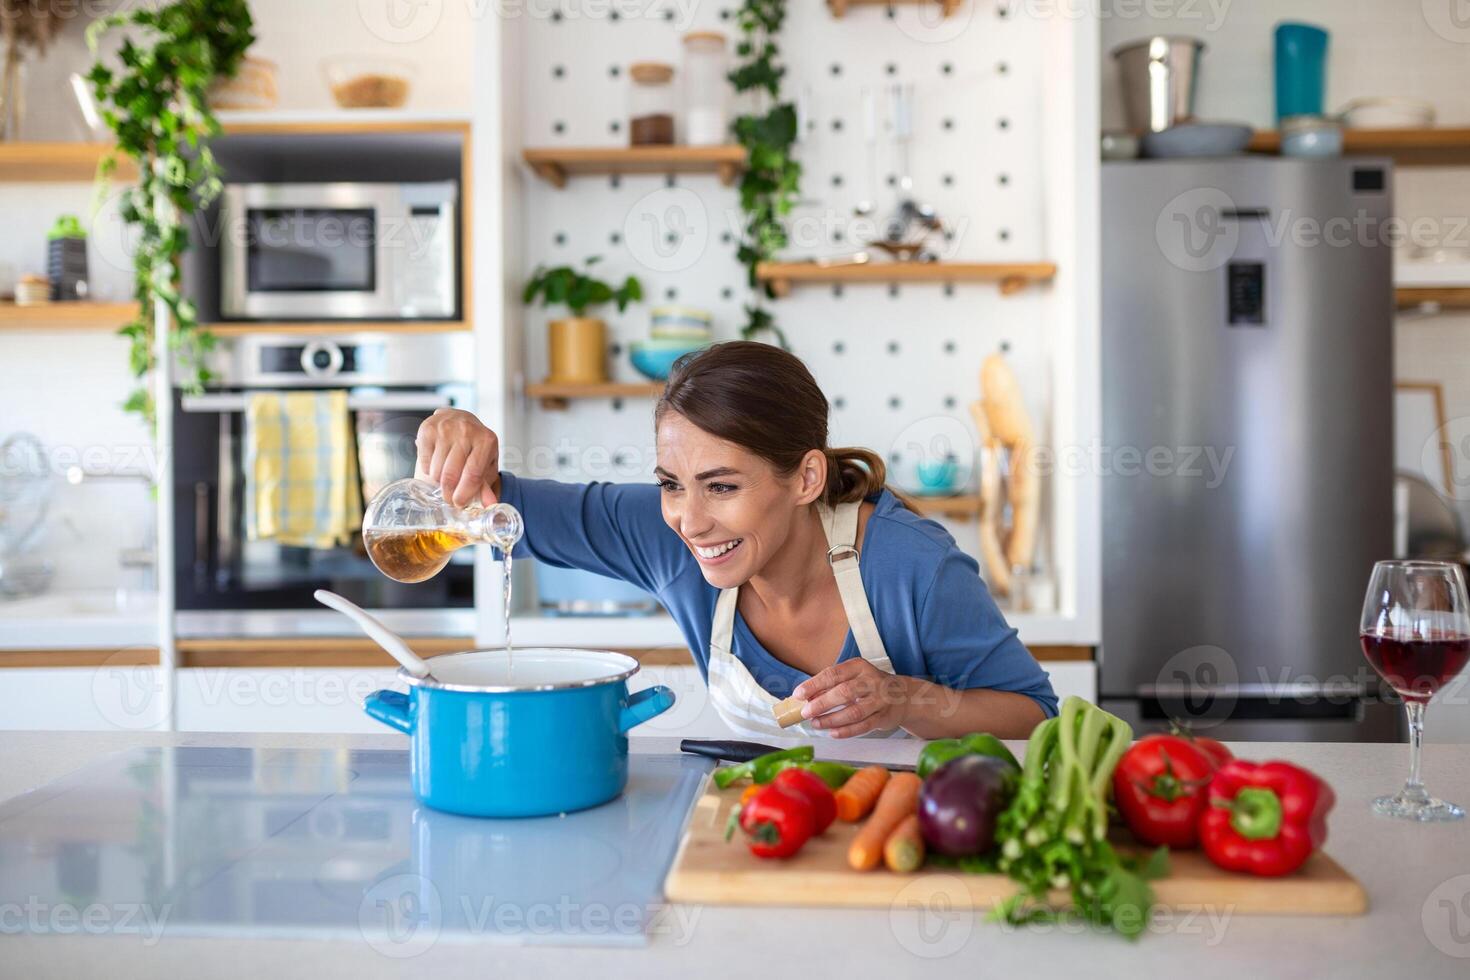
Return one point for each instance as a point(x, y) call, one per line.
point(236, 699)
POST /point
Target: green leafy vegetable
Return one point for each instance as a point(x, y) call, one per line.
point(1054, 833)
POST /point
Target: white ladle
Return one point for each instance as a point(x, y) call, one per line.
point(385, 638)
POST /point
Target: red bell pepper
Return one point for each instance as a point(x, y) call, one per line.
point(776, 822)
point(816, 791)
point(1160, 787)
point(1264, 819)
point(1212, 747)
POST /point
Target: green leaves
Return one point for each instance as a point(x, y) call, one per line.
point(771, 183)
point(156, 108)
point(578, 291)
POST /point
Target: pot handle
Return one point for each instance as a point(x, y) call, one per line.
point(389, 707)
point(643, 705)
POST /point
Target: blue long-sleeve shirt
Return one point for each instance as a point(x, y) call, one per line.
point(937, 619)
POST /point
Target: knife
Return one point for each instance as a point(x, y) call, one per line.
point(736, 751)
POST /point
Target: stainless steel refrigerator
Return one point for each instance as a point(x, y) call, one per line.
point(1246, 458)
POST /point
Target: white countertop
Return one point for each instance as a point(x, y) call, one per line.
point(1417, 877)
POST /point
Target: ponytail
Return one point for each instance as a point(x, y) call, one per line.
point(855, 474)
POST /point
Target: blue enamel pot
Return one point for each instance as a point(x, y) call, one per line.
point(546, 735)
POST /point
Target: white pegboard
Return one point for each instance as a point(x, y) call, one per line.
point(900, 365)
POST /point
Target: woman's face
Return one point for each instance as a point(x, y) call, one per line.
point(731, 507)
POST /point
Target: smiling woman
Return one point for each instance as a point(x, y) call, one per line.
point(789, 566)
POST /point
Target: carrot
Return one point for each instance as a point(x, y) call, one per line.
point(904, 849)
point(900, 798)
point(858, 794)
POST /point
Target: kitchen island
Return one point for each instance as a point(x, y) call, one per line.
point(1417, 878)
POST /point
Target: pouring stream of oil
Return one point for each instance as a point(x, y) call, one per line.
point(412, 555)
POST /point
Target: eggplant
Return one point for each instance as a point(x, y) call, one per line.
point(960, 801)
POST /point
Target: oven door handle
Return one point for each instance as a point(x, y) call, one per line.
point(406, 401)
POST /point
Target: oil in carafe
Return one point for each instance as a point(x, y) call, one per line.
point(412, 554)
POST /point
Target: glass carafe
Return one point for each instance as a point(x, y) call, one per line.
point(410, 530)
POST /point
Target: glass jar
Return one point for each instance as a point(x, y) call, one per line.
point(651, 104)
point(706, 89)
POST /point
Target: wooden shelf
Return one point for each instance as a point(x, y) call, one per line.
point(76, 162)
point(839, 7)
point(78, 315)
point(339, 121)
point(555, 165)
point(336, 326)
point(558, 396)
point(1407, 147)
point(1012, 276)
point(962, 507)
point(1444, 297)
point(58, 163)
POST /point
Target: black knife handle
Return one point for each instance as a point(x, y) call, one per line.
point(724, 750)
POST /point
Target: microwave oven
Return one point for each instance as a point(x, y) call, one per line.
point(339, 251)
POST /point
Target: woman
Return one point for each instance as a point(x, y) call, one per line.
point(788, 566)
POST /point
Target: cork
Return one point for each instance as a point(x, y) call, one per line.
point(788, 712)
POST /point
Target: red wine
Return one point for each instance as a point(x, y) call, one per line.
point(1417, 665)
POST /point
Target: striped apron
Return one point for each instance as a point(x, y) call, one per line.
point(740, 700)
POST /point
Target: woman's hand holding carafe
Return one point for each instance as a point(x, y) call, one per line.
point(461, 454)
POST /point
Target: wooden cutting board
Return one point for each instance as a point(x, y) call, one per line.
point(707, 870)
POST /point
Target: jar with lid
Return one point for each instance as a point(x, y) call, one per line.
point(706, 89)
point(651, 104)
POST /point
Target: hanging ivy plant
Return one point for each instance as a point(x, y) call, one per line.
point(772, 178)
point(155, 104)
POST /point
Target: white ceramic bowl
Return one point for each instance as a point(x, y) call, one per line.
point(1388, 112)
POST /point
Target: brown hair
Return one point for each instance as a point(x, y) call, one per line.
point(764, 399)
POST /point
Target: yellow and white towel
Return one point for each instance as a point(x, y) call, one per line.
point(301, 483)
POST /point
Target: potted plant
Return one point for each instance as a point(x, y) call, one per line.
point(155, 101)
point(578, 343)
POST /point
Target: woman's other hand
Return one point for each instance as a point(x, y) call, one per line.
point(854, 698)
point(458, 452)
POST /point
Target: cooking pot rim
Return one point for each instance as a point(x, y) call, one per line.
point(435, 684)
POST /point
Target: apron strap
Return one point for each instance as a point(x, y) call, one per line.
point(722, 629)
point(840, 524)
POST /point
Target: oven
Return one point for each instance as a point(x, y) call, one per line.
point(394, 382)
point(339, 251)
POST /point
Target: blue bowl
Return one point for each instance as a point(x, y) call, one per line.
point(655, 361)
point(549, 737)
point(937, 475)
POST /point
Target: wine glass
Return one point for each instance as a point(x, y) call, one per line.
point(1416, 634)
